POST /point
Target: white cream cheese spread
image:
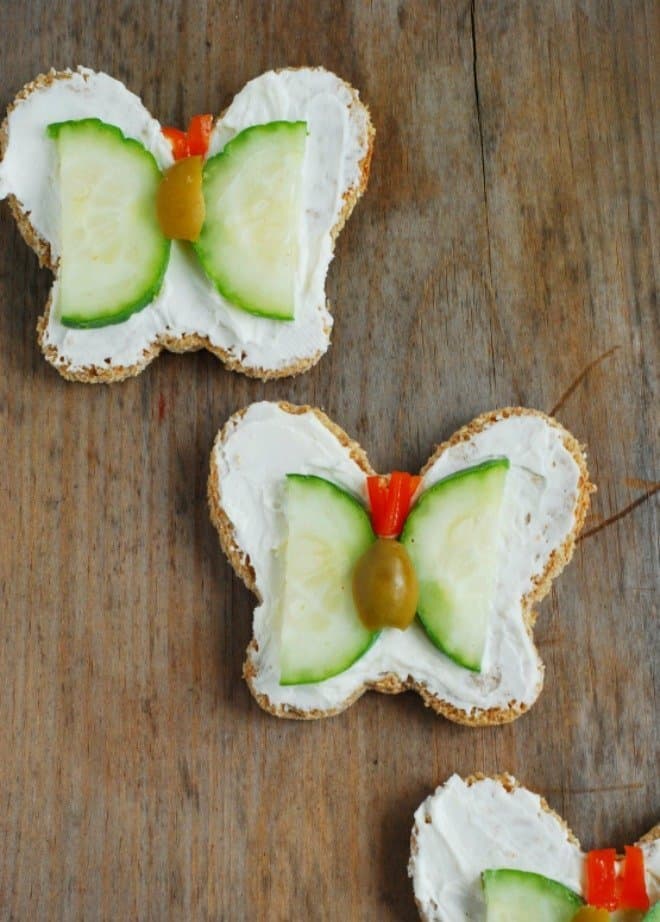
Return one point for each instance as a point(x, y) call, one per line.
point(463, 829)
point(188, 304)
point(538, 513)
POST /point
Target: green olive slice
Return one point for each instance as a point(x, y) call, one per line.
point(385, 589)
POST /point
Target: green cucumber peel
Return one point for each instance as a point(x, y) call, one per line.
point(149, 274)
point(436, 608)
point(217, 237)
point(314, 581)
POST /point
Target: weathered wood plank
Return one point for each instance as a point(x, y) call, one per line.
point(508, 238)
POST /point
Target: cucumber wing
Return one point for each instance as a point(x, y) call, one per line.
point(452, 536)
point(327, 532)
point(249, 245)
point(113, 252)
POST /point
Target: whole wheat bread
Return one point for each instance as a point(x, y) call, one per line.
point(231, 352)
point(241, 560)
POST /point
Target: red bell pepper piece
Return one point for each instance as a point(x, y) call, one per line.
point(601, 879)
point(390, 502)
point(632, 884)
point(178, 142)
point(191, 143)
point(396, 497)
point(199, 133)
point(377, 489)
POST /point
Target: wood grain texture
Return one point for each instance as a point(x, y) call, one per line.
point(508, 239)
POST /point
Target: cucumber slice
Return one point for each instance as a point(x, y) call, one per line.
point(250, 237)
point(520, 896)
point(114, 255)
point(653, 915)
point(329, 530)
point(451, 537)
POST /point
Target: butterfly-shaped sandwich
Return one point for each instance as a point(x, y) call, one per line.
point(399, 582)
point(216, 238)
point(489, 850)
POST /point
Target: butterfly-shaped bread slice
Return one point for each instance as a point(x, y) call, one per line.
point(494, 825)
point(288, 494)
point(85, 133)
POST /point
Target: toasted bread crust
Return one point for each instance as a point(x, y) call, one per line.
point(27, 231)
point(98, 374)
point(509, 783)
point(650, 836)
point(391, 684)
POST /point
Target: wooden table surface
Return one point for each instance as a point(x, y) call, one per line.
point(506, 251)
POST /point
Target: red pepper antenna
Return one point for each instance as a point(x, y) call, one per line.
point(199, 134)
point(390, 499)
point(178, 142)
point(601, 878)
point(607, 891)
point(631, 885)
point(191, 143)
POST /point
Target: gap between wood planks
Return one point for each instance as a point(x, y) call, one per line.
point(491, 300)
point(630, 786)
point(649, 487)
point(475, 79)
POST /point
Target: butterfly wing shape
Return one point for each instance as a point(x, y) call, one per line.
point(469, 826)
point(543, 508)
point(188, 312)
